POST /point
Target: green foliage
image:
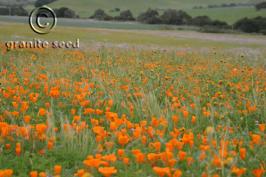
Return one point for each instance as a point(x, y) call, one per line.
point(151, 16)
point(209, 25)
point(125, 16)
point(65, 12)
point(175, 17)
point(261, 6)
point(14, 11)
point(100, 14)
point(40, 3)
point(251, 25)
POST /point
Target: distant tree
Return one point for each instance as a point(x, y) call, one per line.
point(261, 5)
point(117, 9)
point(219, 24)
point(208, 24)
point(14, 11)
point(40, 3)
point(150, 17)
point(15, 6)
point(99, 14)
point(213, 6)
point(261, 22)
point(65, 12)
point(201, 21)
point(16, 3)
point(5, 11)
point(125, 16)
point(174, 17)
point(198, 7)
point(233, 5)
point(247, 25)
point(19, 11)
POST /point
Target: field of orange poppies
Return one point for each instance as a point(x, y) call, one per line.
point(110, 112)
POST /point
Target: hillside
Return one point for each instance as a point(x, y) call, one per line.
point(86, 7)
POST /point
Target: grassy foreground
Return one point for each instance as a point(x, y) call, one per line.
point(111, 111)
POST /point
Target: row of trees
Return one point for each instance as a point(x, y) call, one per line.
point(170, 17)
point(258, 6)
point(224, 5)
point(123, 16)
point(179, 17)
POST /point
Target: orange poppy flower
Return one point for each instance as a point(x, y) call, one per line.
point(182, 155)
point(185, 113)
point(42, 174)
point(256, 139)
point(123, 139)
point(140, 157)
point(162, 171)
point(262, 127)
point(110, 158)
point(193, 119)
point(27, 119)
point(33, 174)
point(57, 169)
point(7, 146)
point(93, 162)
point(18, 149)
point(177, 173)
point(120, 152)
point(76, 118)
point(243, 153)
point(6, 173)
point(126, 160)
point(54, 92)
point(42, 112)
point(258, 172)
point(238, 171)
point(107, 171)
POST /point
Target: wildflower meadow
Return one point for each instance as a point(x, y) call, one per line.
point(111, 112)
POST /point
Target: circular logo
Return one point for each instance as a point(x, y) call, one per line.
point(42, 20)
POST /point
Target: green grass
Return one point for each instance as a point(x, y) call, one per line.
point(90, 36)
point(87, 7)
point(88, 23)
